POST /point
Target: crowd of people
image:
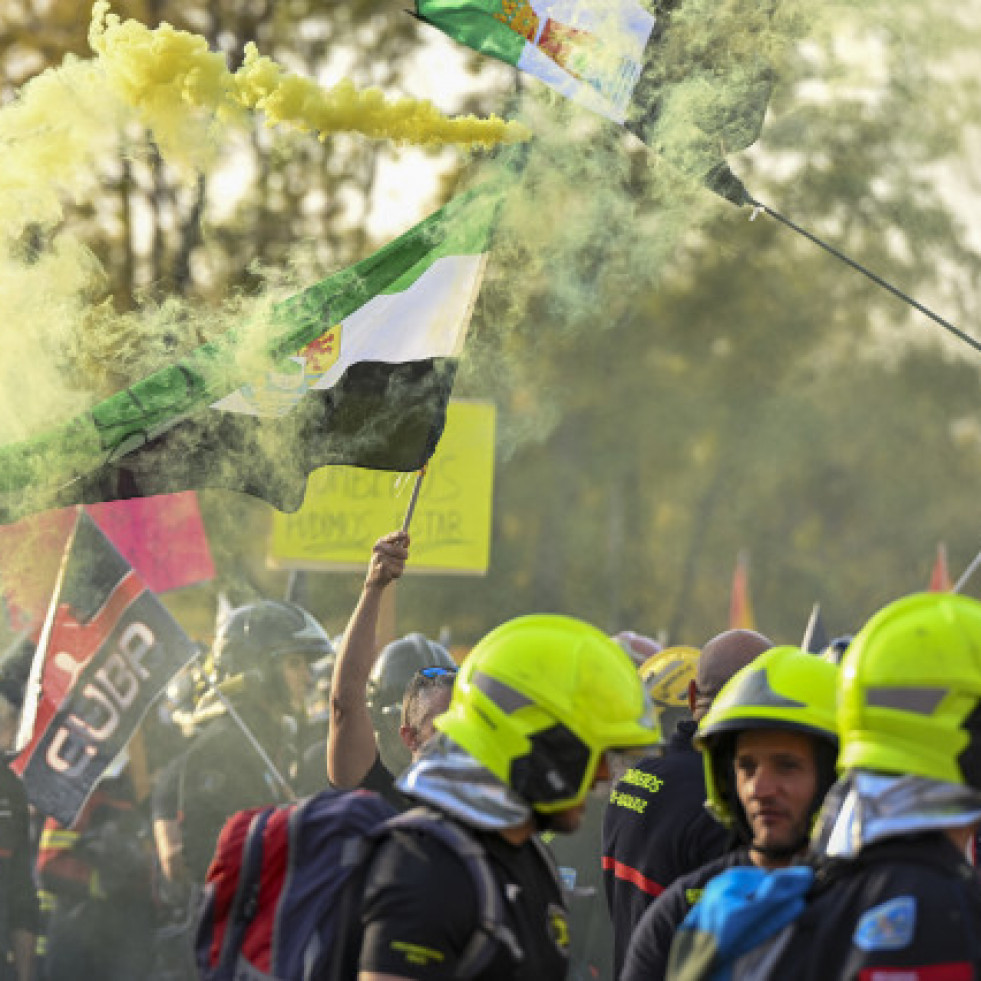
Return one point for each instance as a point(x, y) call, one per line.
point(604, 808)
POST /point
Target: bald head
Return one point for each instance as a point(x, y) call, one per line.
point(721, 658)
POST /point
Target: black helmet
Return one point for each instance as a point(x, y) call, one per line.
point(253, 638)
point(396, 666)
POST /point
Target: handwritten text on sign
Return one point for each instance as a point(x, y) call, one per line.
point(347, 509)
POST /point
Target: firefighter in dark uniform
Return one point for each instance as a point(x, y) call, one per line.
point(537, 709)
point(656, 827)
point(891, 895)
point(768, 744)
point(18, 900)
point(95, 879)
point(19, 918)
point(262, 652)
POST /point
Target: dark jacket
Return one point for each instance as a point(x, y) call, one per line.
point(220, 773)
point(419, 911)
point(647, 955)
point(904, 903)
point(907, 908)
point(18, 899)
point(656, 829)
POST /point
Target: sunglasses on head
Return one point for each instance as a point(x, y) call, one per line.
point(436, 672)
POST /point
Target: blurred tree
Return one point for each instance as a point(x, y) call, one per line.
point(279, 203)
point(274, 192)
point(674, 382)
point(757, 393)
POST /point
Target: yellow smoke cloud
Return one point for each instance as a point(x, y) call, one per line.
point(61, 137)
point(165, 72)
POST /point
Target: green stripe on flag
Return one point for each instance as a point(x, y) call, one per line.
point(472, 22)
point(127, 420)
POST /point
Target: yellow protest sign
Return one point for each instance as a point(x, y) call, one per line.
point(347, 509)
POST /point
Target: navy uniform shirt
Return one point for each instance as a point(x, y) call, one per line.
point(907, 909)
point(656, 829)
point(419, 910)
point(219, 773)
point(647, 955)
point(577, 856)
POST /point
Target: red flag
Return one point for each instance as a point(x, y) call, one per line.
point(940, 577)
point(162, 538)
point(107, 650)
point(740, 605)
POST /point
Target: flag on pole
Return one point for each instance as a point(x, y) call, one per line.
point(162, 538)
point(107, 650)
point(355, 370)
point(940, 576)
point(610, 57)
point(740, 606)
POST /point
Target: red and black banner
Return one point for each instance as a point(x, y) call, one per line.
point(108, 651)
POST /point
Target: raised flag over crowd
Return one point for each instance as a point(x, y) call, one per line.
point(355, 370)
point(614, 58)
point(107, 650)
point(940, 575)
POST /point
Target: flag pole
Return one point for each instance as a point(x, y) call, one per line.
point(805, 644)
point(32, 690)
point(967, 573)
point(249, 735)
point(758, 206)
point(410, 510)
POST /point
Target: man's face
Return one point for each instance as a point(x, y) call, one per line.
point(776, 779)
point(431, 703)
point(568, 820)
point(298, 680)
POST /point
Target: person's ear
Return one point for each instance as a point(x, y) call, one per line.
point(410, 737)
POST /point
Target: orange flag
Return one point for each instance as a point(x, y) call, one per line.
point(740, 605)
point(940, 577)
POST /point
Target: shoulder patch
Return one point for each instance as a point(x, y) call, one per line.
point(568, 875)
point(889, 926)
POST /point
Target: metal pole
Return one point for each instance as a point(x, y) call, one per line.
point(410, 510)
point(805, 644)
point(967, 573)
point(758, 206)
point(250, 736)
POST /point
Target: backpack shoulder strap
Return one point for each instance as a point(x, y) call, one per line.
point(246, 899)
point(548, 860)
point(492, 930)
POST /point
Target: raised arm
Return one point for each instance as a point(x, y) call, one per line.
point(351, 747)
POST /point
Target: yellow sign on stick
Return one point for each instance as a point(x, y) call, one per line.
point(347, 509)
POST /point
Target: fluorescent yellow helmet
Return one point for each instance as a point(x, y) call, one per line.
point(910, 690)
point(666, 675)
point(784, 688)
point(539, 701)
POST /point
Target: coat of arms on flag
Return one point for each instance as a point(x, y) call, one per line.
point(356, 369)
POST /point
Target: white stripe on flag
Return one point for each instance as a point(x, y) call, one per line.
point(427, 320)
point(607, 61)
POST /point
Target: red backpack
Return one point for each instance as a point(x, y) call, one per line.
point(276, 900)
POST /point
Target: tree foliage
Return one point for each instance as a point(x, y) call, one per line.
point(675, 383)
